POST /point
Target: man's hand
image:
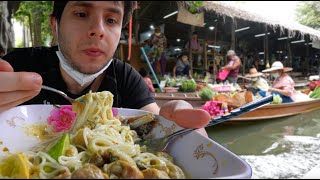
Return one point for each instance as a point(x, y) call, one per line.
point(17, 87)
point(183, 114)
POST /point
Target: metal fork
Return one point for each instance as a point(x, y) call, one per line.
point(72, 101)
point(159, 144)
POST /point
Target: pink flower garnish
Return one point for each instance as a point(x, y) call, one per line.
point(61, 118)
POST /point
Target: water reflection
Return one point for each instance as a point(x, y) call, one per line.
point(279, 148)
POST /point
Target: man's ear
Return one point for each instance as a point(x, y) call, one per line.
point(53, 27)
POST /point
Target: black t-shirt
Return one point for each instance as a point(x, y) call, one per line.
point(122, 80)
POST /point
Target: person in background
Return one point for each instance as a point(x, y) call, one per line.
point(283, 84)
point(145, 75)
point(193, 44)
point(258, 82)
point(159, 42)
point(233, 64)
point(182, 67)
point(87, 35)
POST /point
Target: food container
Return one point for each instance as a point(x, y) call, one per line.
point(197, 155)
point(170, 89)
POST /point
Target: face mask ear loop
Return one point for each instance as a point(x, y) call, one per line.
point(57, 35)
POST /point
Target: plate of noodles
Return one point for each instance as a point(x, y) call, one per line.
point(39, 141)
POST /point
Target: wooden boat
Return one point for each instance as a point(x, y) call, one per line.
point(269, 111)
point(272, 111)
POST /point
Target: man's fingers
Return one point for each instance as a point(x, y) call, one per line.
point(182, 113)
point(8, 97)
point(5, 66)
point(192, 118)
point(167, 110)
point(14, 103)
point(15, 81)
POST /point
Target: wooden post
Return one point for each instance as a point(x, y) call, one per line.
point(289, 51)
point(266, 47)
point(307, 57)
point(205, 54)
point(190, 51)
point(233, 33)
point(214, 55)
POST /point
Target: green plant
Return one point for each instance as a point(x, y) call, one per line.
point(315, 93)
point(194, 6)
point(188, 85)
point(206, 94)
point(35, 15)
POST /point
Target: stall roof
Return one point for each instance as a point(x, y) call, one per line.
point(224, 9)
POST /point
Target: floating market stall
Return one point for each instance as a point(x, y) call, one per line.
point(235, 99)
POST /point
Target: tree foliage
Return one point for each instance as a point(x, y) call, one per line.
point(36, 16)
point(308, 13)
point(194, 6)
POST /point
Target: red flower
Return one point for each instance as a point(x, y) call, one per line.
point(61, 118)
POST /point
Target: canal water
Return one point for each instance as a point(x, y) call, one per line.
point(280, 148)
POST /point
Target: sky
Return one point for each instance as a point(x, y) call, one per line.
point(282, 10)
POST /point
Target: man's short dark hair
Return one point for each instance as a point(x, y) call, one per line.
point(129, 6)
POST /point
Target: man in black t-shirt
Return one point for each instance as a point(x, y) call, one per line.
point(87, 35)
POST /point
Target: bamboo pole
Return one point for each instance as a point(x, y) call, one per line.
point(266, 49)
point(150, 67)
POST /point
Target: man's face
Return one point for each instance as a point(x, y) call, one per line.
point(89, 32)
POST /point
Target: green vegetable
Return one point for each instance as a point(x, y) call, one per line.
point(206, 94)
point(188, 85)
point(60, 147)
point(276, 99)
point(171, 83)
point(315, 93)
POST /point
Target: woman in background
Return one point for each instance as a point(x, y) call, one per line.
point(283, 84)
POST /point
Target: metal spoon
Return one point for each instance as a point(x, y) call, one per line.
point(61, 93)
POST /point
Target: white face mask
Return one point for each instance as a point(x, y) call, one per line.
point(81, 78)
point(254, 79)
point(275, 75)
point(158, 34)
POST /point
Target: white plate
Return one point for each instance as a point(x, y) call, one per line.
point(198, 156)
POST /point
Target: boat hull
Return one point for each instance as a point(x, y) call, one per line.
point(273, 111)
point(270, 111)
